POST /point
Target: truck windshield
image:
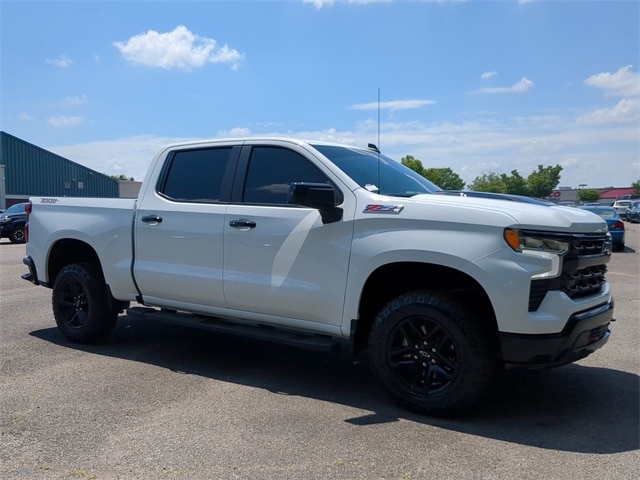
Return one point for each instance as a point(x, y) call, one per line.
point(376, 172)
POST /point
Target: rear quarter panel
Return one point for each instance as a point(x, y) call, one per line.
point(104, 224)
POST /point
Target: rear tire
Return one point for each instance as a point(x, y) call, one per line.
point(81, 304)
point(430, 353)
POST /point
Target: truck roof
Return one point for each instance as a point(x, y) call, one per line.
point(297, 141)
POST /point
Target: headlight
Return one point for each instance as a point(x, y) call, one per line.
point(608, 245)
point(541, 246)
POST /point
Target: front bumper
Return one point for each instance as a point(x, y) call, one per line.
point(584, 333)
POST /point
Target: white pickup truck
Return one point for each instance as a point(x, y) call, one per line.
point(320, 245)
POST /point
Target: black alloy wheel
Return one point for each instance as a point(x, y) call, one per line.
point(17, 235)
point(431, 353)
point(422, 355)
point(81, 304)
point(73, 305)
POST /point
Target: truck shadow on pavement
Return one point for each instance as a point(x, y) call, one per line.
point(575, 408)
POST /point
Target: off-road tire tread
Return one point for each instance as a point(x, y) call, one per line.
point(477, 371)
point(101, 319)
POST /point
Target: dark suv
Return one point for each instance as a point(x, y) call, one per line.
point(12, 222)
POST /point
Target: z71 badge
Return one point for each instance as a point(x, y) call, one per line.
point(392, 209)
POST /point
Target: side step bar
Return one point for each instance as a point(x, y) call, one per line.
point(258, 332)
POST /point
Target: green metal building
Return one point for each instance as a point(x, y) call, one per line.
point(27, 170)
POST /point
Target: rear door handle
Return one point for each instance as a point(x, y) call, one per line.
point(153, 219)
point(242, 224)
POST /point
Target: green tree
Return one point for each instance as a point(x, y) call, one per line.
point(539, 183)
point(542, 182)
point(489, 182)
point(588, 195)
point(515, 184)
point(636, 186)
point(121, 178)
point(413, 163)
point(445, 178)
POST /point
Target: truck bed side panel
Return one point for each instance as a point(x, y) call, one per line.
point(103, 224)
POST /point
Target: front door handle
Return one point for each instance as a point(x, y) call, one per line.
point(152, 219)
point(242, 224)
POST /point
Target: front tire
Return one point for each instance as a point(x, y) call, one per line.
point(17, 235)
point(81, 304)
point(430, 353)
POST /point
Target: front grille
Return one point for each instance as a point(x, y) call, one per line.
point(585, 282)
point(583, 269)
point(587, 245)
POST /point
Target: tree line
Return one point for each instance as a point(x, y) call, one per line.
point(121, 177)
point(539, 183)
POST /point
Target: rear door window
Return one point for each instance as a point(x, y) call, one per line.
point(196, 175)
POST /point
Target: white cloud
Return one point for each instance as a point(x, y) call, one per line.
point(365, 2)
point(621, 83)
point(570, 162)
point(64, 121)
point(598, 157)
point(522, 86)
point(626, 110)
point(235, 132)
point(179, 48)
point(326, 3)
point(25, 117)
point(61, 62)
point(320, 3)
point(393, 105)
point(130, 156)
point(75, 101)
point(536, 146)
point(488, 75)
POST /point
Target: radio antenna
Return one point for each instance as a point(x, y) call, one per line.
point(378, 119)
point(379, 186)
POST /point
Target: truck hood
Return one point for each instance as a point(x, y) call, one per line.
point(505, 213)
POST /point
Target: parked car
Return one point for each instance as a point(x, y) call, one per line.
point(12, 222)
point(622, 206)
point(614, 223)
point(633, 214)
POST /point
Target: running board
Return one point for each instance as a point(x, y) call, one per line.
point(259, 332)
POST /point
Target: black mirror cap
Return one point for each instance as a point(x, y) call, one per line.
point(321, 196)
point(312, 195)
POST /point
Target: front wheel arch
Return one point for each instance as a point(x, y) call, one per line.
point(392, 280)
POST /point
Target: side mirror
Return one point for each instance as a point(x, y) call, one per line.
point(320, 196)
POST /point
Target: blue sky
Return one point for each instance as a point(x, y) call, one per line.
point(475, 86)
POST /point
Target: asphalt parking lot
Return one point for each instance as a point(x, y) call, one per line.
point(159, 401)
